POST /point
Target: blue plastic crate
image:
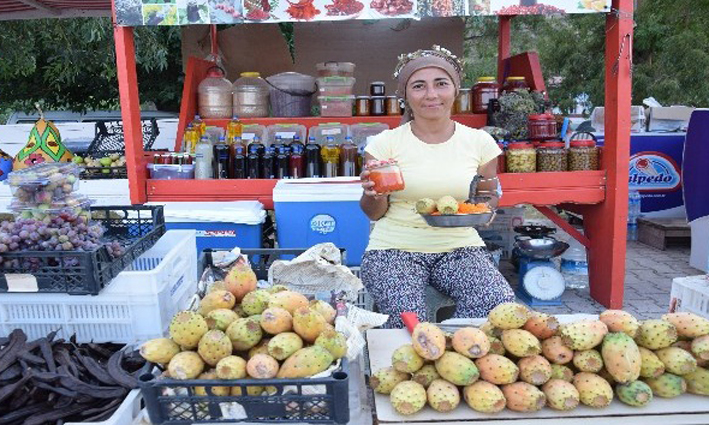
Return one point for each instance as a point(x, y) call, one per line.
point(222, 235)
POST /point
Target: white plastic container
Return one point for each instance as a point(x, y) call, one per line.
point(574, 265)
point(136, 306)
point(126, 414)
point(690, 294)
point(286, 132)
point(329, 129)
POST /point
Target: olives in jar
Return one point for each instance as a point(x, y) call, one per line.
point(521, 158)
point(583, 155)
point(551, 156)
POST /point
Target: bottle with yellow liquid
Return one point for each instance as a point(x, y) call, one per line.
point(190, 139)
point(330, 153)
point(233, 129)
point(199, 125)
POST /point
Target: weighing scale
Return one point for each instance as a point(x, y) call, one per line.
point(540, 283)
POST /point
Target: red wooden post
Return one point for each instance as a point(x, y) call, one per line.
point(503, 45)
point(606, 223)
point(130, 110)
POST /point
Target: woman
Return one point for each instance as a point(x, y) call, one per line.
point(437, 157)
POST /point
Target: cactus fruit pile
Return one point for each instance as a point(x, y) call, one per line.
point(524, 360)
point(447, 205)
point(240, 332)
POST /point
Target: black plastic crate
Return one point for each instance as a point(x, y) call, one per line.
point(289, 403)
point(109, 138)
point(137, 228)
point(98, 173)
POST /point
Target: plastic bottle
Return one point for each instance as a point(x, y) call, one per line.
point(634, 212)
point(237, 152)
point(268, 163)
point(283, 162)
point(256, 151)
point(348, 158)
point(278, 144)
point(233, 129)
point(331, 157)
point(221, 161)
point(312, 158)
point(296, 161)
point(203, 159)
point(574, 265)
point(199, 125)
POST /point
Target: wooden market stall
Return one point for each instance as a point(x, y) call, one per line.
point(600, 196)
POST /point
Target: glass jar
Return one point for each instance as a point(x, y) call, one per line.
point(541, 126)
point(386, 176)
point(583, 155)
point(521, 158)
point(214, 97)
point(462, 102)
point(250, 96)
point(377, 88)
point(501, 159)
point(392, 105)
point(377, 106)
point(362, 106)
point(485, 89)
point(514, 84)
point(552, 156)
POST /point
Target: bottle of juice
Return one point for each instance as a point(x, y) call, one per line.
point(268, 163)
point(278, 144)
point(199, 125)
point(312, 158)
point(330, 156)
point(296, 161)
point(256, 150)
point(190, 139)
point(296, 142)
point(282, 162)
point(348, 158)
point(221, 159)
point(233, 129)
point(203, 159)
point(237, 152)
point(257, 146)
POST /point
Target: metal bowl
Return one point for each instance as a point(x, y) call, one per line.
point(458, 220)
point(540, 248)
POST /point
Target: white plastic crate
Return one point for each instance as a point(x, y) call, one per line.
point(126, 414)
point(137, 305)
point(690, 294)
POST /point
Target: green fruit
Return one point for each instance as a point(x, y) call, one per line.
point(105, 161)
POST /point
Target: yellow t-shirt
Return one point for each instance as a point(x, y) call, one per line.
point(429, 171)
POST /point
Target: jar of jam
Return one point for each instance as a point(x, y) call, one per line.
point(552, 156)
point(462, 102)
point(377, 106)
point(362, 106)
point(521, 158)
point(501, 159)
point(583, 155)
point(541, 126)
point(392, 105)
point(514, 84)
point(386, 176)
point(377, 88)
point(485, 89)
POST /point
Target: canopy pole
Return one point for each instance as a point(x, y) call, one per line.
point(504, 41)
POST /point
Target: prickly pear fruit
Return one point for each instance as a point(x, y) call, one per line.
point(426, 375)
point(689, 325)
point(384, 380)
point(521, 343)
point(650, 364)
point(457, 369)
point(406, 359)
point(159, 350)
point(620, 321)
point(425, 206)
point(185, 365)
point(496, 346)
point(603, 373)
point(334, 342)
point(204, 391)
point(275, 320)
point(561, 395)
point(698, 381)
point(240, 279)
point(490, 330)
point(214, 300)
point(252, 390)
point(588, 361)
point(220, 318)
point(583, 335)
point(239, 311)
point(621, 357)
point(555, 351)
point(231, 367)
point(471, 342)
point(677, 361)
point(447, 205)
point(282, 346)
point(428, 340)
point(260, 348)
point(308, 323)
point(327, 311)
point(306, 362)
point(635, 393)
point(408, 397)
point(484, 397)
point(217, 285)
point(276, 288)
point(667, 385)
point(541, 325)
point(655, 334)
point(214, 346)
point(509, 316)
point(255, 302)
point(523, 397)
point(262, 366)
point(288, 300)
point(559, 371)
point(244, 333)
point(497, 369)
point(700, 347)
point(442, 396)
point(534, 370)
point(594, 391)
point(187, 328)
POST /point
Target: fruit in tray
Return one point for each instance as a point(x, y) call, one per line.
point(447, 205)
point(44, 183)
point(616, 354)
point(105, 163)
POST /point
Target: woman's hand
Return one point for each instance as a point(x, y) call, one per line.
point(368, 186)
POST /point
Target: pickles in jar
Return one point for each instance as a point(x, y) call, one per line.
point(521, 157)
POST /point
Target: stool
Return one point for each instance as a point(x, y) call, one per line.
point(657, 232)
point(434, 302)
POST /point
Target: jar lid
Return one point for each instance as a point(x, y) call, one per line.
point(515, 78)
point(362, 97)
point(519, 145)
point(486, 79)
point(377, 97)
point(250, 74)
point(389, 97)
point(377, 83)
point(464, 89)
point(582, 143)
point(545, 145)
point(378, 164)
point(538, 117)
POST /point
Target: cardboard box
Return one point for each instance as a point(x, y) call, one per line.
point(669, 118)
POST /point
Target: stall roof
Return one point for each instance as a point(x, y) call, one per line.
point(35, 9)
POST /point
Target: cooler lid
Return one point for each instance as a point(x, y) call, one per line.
point(335, 189)
point(238, 212)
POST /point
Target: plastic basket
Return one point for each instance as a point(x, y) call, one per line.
point(690, 294)
point(98, 173)
point(305, 400)
point(138, 304)
point(137, 228)
point(126, 413)
point(108, 137)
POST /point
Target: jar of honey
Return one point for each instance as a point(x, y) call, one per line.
point(392, 105)
point(386, 176)
point(377, 105)
point(485, 89)
point(462, 102)
point(362, 106)
point(514, 84)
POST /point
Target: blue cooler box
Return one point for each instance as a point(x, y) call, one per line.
point(218, 224)
point(312, 211)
